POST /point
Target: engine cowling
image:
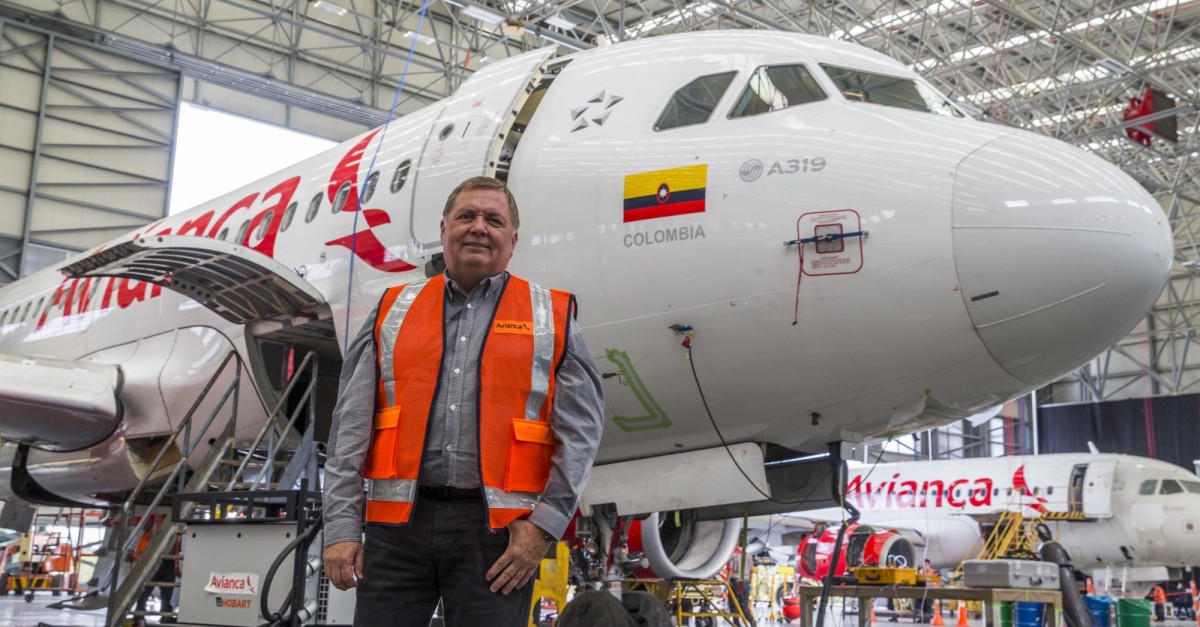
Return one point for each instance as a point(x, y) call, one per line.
point(677, 545)
point(863, 546)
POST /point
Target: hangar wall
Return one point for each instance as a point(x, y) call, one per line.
point(86, 141)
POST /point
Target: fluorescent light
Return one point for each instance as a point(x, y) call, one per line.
point(558, 21)
point(1114, 67)
point(425, 39)
point(482, 14)
point(332, 8)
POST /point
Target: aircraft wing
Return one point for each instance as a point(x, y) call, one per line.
point(237, 282)
point(58, 405)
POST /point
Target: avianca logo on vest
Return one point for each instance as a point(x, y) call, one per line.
point(512, 326)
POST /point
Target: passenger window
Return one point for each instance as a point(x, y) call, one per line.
point(372, 181)
point(313, 207)
point(224, 234)
point(1148, 487)
point(777, 87)
point(25, 310)
point(241, 235)
point(1049, 490)
point(339, 200)
point(1170, 486)
point(288, 214)
point(400, 176)
point(889, 91)
point(694, 102)
point(265, 224)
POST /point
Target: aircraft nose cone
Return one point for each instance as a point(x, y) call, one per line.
point(1058, 252)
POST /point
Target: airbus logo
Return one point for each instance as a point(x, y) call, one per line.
point(751, 170)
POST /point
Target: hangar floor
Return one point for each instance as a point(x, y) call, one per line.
point(16, 612)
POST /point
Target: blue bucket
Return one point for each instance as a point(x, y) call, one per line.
point(1028, 614)
point(1100, 608)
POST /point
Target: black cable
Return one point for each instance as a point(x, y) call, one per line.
point(301, 541)
point(704, 401)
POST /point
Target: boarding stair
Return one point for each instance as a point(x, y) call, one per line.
point(1013, 536)
point(212, 460)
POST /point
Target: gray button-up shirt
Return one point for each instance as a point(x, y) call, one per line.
point(452, 444)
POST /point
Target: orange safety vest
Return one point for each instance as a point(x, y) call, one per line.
point(524, 346)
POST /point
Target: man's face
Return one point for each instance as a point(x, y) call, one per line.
point(477, 236)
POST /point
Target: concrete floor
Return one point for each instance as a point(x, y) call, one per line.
point(15, 612)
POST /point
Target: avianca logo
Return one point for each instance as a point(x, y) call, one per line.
point(1022, 488)
point(364, 243)
point(955, 493)
point(898, 493)
point(512, 326)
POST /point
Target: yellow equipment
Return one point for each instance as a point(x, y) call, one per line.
point(880, 576)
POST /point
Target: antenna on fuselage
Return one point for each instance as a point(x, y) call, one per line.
point(1092, 448)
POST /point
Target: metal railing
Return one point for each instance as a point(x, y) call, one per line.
point(275, 430)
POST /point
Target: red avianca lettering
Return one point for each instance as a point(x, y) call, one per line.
point(895, 493)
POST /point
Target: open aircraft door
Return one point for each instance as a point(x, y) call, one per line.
point(1098, 488)
point(467, 138)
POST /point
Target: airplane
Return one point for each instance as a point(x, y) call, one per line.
point(1120, 517)
point(837, 251)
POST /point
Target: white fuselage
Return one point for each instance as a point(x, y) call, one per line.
point(1129, 517)
point(987, 245)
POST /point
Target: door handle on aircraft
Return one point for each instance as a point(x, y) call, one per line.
point(828, 237)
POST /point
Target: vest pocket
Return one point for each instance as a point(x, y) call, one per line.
point(529, 456)
point(381, 457)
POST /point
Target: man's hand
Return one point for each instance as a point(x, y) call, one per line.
point(344, 564)
point(527, 546)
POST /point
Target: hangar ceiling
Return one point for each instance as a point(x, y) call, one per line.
point(1066, 69)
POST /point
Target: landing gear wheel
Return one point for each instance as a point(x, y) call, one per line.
point(29, 596)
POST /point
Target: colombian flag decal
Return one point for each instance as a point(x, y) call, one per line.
point(663, 193)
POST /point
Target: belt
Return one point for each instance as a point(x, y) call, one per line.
point(450, 493)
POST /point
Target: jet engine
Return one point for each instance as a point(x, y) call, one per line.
point(863, 546)
point(678, 545)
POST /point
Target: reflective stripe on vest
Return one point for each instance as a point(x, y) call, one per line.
point(526, 333)
point(389, 329)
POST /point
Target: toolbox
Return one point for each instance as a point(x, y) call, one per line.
point(1010, 574)
point(879, 576)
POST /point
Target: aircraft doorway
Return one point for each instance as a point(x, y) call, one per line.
point(1075, 492)
point(276, 351)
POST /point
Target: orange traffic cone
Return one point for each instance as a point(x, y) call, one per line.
point(937, 615)
point(1090, 588)
point(962, 614)
point(872, 616)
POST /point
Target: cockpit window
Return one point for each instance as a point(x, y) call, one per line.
point(889, 91)
point(694, 102)
point(1148, 486)
point(1170, 486)
point(1191, 486)
point(777, 87)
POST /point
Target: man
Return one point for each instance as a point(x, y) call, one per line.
point(471, 406)
point(927, 606)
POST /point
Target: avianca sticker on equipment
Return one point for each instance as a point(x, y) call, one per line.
point(232, 583)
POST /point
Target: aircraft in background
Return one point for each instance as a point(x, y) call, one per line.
point(846, 254)
point(1121, 518)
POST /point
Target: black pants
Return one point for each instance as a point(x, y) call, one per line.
point(444, 553)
